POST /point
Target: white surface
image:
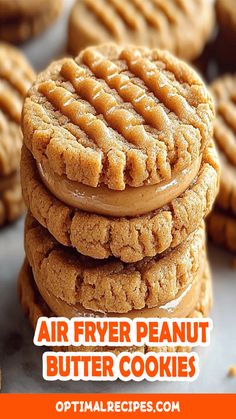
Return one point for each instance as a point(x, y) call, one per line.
point(21, 361)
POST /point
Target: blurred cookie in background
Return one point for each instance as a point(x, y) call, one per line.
point(226, 40)
point(23, 19)
point(226, 16)
point(180, 26)
point(222, 222)
point(16, 76)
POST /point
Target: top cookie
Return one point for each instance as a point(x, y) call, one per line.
point(118, 116)
point(152, 23)
point(16, 76)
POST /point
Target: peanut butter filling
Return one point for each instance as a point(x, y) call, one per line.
point(127, 203)
point(184, 303)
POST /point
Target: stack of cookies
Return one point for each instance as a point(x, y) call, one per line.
point(181, 26)
point(222, 222)
point(118, 172)
point(16, 76)
point(22, 19)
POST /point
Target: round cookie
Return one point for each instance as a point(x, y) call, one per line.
point(118, 117)
point(112, 286)
point(119, 122)
point(22, 19)
point(152, 23)
point(34, 307)
point(222, 222)
point(16, 77)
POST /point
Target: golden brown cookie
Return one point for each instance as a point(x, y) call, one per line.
point(222, 222)
point(224, 92)
point(112, 286)
point(35, 307)
point(130, 239)
point(22, 19)
point(118, 117)
point(16, 77)
point(11, 202)
point(153, 23)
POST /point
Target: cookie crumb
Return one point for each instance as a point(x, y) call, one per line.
point(232, 371)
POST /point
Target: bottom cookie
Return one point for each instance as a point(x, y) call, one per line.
point(11, 201)
point(35, 307)
point(222, 229)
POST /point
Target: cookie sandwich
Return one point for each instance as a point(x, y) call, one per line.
point(23, 19)
point(16, 77)
point(118, 173)
point(153, 23)
point(222, 221)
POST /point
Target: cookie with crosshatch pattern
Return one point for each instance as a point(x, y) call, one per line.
point(152, 23)
point(222, 221)
point(16, 76)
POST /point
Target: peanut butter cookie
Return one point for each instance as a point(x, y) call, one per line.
point(112, 286)
point(11, 202)
point(152, 23)
point(118, 117)
point(34, 307)
point(222, 223)
point(22, 19)
point(16, 76)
